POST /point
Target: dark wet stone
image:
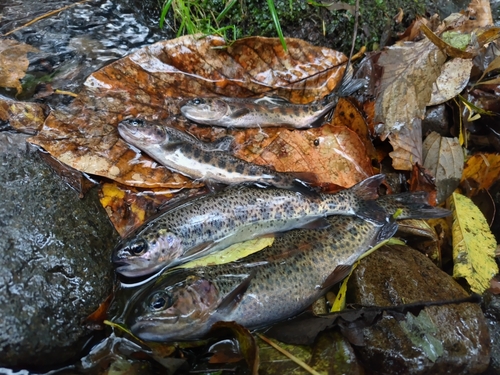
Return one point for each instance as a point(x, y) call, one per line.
point(436, 120)
point(55, 267)
point(491, 307)
point(443, 339)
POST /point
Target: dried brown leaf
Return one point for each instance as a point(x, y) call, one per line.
point(481, 171)
point(13, 62)
point(150, 82)
point(479, 15)
point(444, 158)
point(407, 145)
point(442, 45)
point(410, 70)
point(22, 116)
point(335, 154)
point(454, 77)
point(347, 114)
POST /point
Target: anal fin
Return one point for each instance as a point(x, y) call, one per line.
point(339, 273)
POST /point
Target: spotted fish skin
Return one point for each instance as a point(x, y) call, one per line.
point(267, 111)
point(252, 113)
point(198, 160)
point(282, 279)
point(216, 221)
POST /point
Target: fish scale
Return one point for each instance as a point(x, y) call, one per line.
point(273, 284)
point(213, 222)
point(209, 162)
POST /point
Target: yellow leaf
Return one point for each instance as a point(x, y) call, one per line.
point(473, 244)
point(232, 253)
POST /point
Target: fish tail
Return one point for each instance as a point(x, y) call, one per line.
point(410, 205)
point(363, 197)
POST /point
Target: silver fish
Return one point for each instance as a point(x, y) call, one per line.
point(216, 221)
point(182, 153)
point(267, 111)
point(274, 284)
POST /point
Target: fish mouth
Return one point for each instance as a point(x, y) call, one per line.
point(150, 330)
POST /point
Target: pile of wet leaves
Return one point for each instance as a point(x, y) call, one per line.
point(425, 117)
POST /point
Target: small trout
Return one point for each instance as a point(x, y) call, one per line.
point(216, 221)
point(271, 285)
point(209, 162)
point(266, 111)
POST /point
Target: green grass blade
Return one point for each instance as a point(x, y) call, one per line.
point(225, 10)
point(274, 15)
point(164, 11)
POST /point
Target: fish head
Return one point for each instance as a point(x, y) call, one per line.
point(142, 133)
point(205, 110)
point(142, 255)
point(174, 310)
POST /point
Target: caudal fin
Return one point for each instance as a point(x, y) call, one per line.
point(366, 192)
point(410, 205)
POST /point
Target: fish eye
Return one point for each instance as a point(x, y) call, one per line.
point(138, 248)
point(198, 101)
point(160, 301)
point(136, 122)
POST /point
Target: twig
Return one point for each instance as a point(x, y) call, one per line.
point(51, 13)
point(62, 92)
point(289, 355)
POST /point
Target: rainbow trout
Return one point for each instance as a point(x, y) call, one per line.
point(216, 221)
point(268, 286)
point(209, 162)
point(267, 111)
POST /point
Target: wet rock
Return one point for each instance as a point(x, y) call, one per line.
point(441, 339)
point(55, 267)
point(492, 313)
point(436, 120)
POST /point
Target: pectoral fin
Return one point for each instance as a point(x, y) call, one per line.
point(340, 272)
point(202, 248)
point(319, 223)
point(232, 299)
point(240, 112)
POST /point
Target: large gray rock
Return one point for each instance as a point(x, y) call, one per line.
point(55, 267)
point(449, 339)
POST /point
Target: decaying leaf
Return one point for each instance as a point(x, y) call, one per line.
point(335, 154)
point(347, 114)
point(449, 49)
point(248, 344)
point(421, 331)
point(473, 244)
point(13, 62)
point(128, 208)
point(149, 82)
point(444, 158)
point(479, 15)
point(407, 144)
point(22, 116)
point(420, 235)
point(421, 179)
point(481, 171)
point(454, 77)
point(410, 70)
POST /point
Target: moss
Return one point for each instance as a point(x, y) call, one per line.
point(321, 26)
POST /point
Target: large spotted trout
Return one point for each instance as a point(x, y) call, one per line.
point(216, 221)
point(267, 111)
point(209, 162)
point(273, 284)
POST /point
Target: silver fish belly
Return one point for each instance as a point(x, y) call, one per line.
point(198, 160)
point(253, 113)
